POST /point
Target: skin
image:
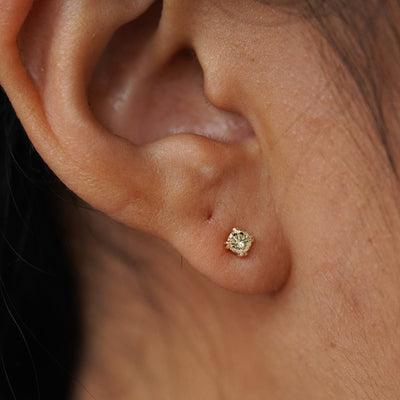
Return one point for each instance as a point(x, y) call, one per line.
point(175, 147)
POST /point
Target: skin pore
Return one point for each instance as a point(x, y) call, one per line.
point(313, 311)
point(172, 334)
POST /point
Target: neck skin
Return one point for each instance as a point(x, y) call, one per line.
point(154, 328)
point(152, 325)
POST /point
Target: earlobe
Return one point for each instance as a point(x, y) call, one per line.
point(188, 189)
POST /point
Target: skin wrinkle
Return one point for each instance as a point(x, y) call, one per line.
point(370, 92)
point(276, 19)
point(153, 303)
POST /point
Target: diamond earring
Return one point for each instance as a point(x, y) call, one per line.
point(239, 242)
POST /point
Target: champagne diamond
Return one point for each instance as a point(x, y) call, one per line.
point(239, 242)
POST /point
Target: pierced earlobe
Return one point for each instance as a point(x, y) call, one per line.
point(163, 186)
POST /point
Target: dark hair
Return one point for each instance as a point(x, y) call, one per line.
point(365, 36)
point(39, 330)
point(38, 318)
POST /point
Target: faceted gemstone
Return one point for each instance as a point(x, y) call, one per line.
point(239, 242)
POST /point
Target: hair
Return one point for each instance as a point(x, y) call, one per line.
point(39, 336)
point(364, 35)
point(38, 314)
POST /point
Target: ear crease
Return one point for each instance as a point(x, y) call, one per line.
point(188, 186)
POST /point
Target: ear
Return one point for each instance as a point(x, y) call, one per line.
point(149, 150)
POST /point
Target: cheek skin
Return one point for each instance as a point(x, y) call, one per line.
point(331, 187)
point(331, 332)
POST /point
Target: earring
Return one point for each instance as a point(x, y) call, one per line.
point(239, 242)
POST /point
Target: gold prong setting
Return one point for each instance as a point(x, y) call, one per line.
point(239, 242)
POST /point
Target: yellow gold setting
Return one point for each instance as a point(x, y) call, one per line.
point(239, 242)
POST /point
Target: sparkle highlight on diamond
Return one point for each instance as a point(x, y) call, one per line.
point(239, 242)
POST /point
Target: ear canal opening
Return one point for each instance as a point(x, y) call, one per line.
point(145, 89)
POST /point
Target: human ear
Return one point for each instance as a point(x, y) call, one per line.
point(187, 187)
